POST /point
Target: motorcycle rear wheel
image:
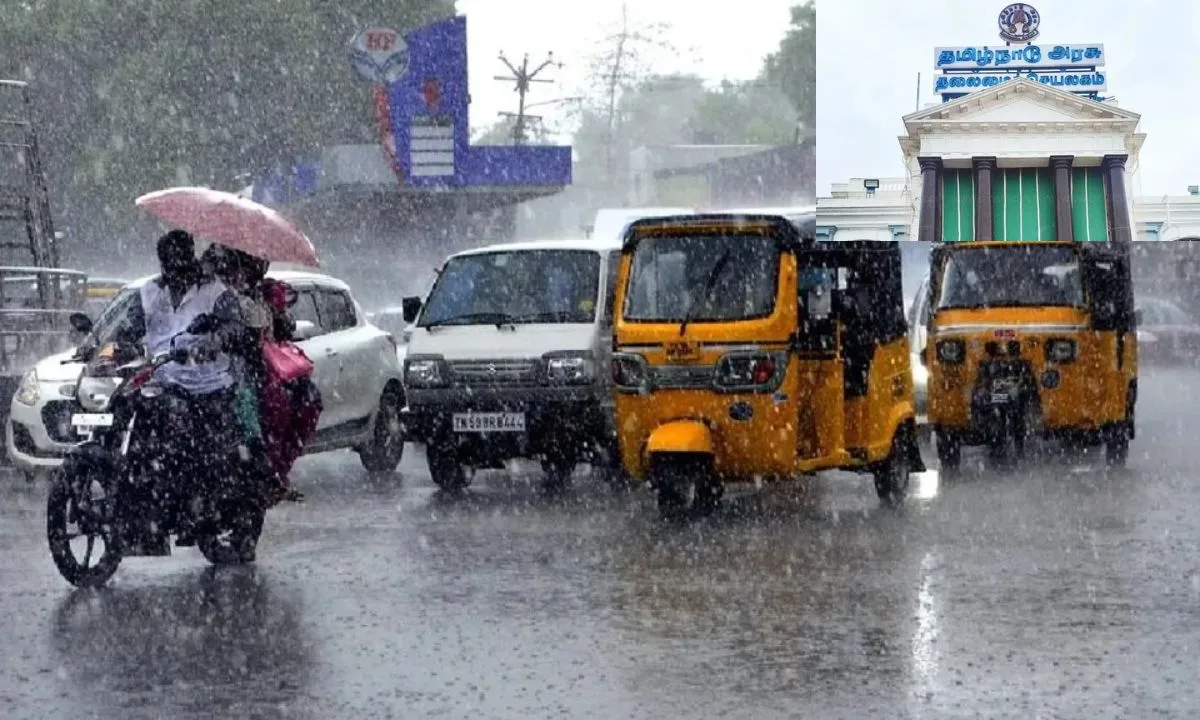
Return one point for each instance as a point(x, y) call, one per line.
point(73, 500)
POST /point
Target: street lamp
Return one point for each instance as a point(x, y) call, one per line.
point(871, 185)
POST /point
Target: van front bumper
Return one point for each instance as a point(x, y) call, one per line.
point(572, 421)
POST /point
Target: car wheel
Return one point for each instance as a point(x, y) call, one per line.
point(386, 448)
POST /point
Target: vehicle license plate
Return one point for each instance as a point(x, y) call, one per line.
point(489, 422)
point(85, 421)
point(1003, 391)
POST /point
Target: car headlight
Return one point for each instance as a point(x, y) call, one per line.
point(951, 352)
point(29, 390)
point(425, 372)
point(570, 369)
point(1060, 350)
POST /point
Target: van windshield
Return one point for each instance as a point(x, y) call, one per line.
point(1016, 276)
point(703, 279)
point(515, 287)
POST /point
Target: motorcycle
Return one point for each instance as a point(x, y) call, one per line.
point(133, 482)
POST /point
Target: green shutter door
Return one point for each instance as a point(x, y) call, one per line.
point(958, 205)
point(1023, 204)
point(1089, 211)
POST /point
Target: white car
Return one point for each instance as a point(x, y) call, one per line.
point(918, 320)
point(358, 372)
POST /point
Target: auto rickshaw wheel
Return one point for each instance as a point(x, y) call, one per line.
point(1116, 445)
point(892, 475)
point(684, 483)
point(949, 450)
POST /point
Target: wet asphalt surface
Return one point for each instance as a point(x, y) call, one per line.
point(1057, 590)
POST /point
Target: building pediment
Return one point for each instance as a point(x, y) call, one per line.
point(1021, 102)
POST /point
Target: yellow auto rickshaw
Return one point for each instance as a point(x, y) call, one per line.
point(747, 350)
point(1031, 339)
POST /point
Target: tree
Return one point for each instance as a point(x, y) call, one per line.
point(136, 94)
point(793, 67)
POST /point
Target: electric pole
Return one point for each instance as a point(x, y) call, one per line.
point(523, 77)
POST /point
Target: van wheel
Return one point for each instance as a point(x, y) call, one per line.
point(949, 450)
point(684, 483)
point(446, 471)
point(386, 448)
point(891, 476)
point(557, 474)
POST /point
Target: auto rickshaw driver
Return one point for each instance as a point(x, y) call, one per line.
point(783, 356)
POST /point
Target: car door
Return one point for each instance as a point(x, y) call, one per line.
point(355, 346)
point(326, 374)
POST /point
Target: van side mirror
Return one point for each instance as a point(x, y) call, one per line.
point(410, 307)
point(80, 323)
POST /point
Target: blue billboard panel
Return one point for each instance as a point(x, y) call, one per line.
point(429, 115)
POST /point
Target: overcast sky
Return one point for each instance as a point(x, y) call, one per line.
point(715, 45)
point(870, 51)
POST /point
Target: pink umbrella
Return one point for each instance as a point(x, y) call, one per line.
point(233, 221)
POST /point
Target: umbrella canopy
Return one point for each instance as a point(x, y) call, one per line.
point(233, 221)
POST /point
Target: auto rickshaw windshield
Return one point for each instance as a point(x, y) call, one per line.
point(1013, 276)
point(706, 278)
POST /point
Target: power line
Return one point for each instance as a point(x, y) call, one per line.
point(523, 76)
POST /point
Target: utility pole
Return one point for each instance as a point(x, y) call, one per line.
point(523, 77)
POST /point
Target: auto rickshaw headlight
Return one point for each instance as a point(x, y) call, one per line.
point(749, 370)
point(951, 352)
point(576, 369)
point(1060, 350)
point(629, 371)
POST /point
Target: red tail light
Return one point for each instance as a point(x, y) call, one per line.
point(762, 370)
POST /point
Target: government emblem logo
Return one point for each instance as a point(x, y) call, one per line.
point(1019, 23)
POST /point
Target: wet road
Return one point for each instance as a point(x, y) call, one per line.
point(1062, 591)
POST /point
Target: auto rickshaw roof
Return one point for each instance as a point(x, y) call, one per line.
point(791, 233)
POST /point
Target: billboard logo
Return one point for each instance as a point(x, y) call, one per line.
point(1019, 22)
point(379, 55)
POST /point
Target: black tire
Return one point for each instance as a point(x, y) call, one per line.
point(557, 475)
point(1116, 446)
point(892, 475)
point(445, 470)
point(386, 449)
point(237, 546)
point(63, 503)
point(949, 451)
point(684, 485)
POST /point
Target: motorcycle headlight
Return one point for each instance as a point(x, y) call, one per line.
point(570, 369)
point(951, 352)
point(1060, 350)
point(29, 390)
point(425, 372)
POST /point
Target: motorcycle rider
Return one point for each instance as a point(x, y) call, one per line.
point(162, 320)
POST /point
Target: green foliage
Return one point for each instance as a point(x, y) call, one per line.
point(134, 95)
point(793, 67)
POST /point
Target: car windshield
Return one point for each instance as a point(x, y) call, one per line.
point(105, 328)
point(1015, 276)
point(515, 287)
point(703, 279)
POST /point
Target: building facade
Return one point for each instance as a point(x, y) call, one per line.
point(1030, 152)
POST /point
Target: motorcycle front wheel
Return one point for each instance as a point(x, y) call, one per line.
point(236, 544)
point(81, 511)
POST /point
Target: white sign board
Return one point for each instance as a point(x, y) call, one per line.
point(1077, 81)
point(1023, 56)
point(379, 55)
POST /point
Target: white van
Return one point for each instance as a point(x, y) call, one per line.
point(509, 358)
